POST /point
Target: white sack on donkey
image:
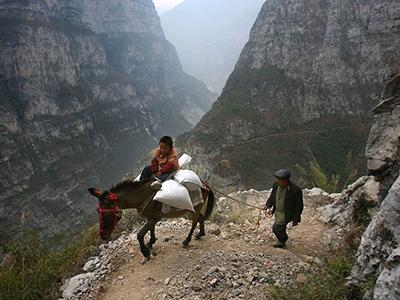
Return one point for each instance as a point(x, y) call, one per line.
point(189, 179)
point(174, 194)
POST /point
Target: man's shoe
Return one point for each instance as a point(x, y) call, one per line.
point(279, 245)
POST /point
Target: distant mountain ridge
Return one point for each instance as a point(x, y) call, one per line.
point(209, 35)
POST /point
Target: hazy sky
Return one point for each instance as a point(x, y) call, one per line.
point(164, 5)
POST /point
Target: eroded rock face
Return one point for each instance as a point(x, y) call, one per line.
point(70, 116)
point(377, 260)
point(387, 286)
point(351, 210)
point(383, 147)
point(308, 77)
point(134, 41)
point(376, 255)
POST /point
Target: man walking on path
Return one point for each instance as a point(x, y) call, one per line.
point(286, 202)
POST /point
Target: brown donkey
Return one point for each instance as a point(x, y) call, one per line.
point(139, 195)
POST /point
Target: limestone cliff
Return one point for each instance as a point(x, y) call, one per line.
point(136, 46)
point(303, 89)
point(383, 146)
point(378, 254)
point(374, 198)
point(84, 92)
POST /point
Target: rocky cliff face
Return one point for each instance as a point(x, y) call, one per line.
point(302, 89)
point(378, 260)
point(84, 91)
point(378, 254)
point(137, 47)
point(375, 197)
point(383, 146)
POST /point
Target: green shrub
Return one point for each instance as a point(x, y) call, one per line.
point(315, 176)
point(361, 213)
point(326, 284)
point(33, 271)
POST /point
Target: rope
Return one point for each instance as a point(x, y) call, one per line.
point(229, 197)
point(236, 200)
point(261, 209)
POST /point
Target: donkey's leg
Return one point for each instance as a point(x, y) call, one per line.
point(153, 238)
point(194, 224)
point(142, 233)
point(202, 231)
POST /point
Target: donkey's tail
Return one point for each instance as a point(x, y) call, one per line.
point(210, 204)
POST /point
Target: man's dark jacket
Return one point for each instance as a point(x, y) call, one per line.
point(293, 202)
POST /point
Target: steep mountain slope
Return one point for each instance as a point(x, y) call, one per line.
point(137, 47)
point(303, 88)
point(79, 104)
point(209, 35)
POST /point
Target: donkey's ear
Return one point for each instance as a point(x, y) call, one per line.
point(95, 192)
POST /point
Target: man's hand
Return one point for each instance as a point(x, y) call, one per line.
point(294, 223)
point(158, 174)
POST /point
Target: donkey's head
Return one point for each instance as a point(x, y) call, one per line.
point(108, 210)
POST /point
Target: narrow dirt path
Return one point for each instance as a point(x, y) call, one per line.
point(294, 133)
point(233, 261)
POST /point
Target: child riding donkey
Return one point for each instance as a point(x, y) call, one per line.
point(165, 161)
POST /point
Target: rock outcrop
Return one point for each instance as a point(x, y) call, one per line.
point(86, 87)
point(303, 88)
point(111, 255)
point(375, 197)
point(351, 212)
point(377, 256)
point(383, 146)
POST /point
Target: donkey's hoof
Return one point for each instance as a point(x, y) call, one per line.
point(145, 260)
point(199, 236)
point(185, 244)
point(146, 252)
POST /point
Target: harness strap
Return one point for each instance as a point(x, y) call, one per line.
point(147, 203)
point(116, 211)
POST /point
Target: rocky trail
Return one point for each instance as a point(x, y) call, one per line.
point(296, 133)
point(234, 260)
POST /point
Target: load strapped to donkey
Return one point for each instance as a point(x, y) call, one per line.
point(183, 193)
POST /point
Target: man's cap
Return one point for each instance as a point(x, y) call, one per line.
point(283, 174)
